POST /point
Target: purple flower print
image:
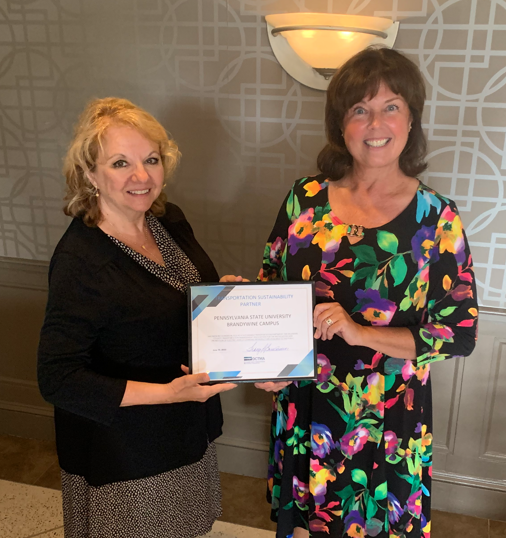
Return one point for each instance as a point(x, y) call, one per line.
point(414, 504)
point(441, 332)
point(391, 443)
point(276, 251)
point(354, 524)
point(300, 233)
point(279, 451)
point(354, 442)
point(321, 440)
point(422, 244)
point(325, 371)
point(395, 510)
point(374, 308)
point(300, 491)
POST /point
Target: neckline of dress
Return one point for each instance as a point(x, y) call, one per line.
point(335, 218)
point(150, 225)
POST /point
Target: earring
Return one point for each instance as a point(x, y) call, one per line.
point(96, 193)
point(164, 185)
point(410, 126)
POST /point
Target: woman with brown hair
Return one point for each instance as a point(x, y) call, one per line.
point(351, 454)
point(135, 435)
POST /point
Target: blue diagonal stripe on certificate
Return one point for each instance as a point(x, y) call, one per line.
point(214, 376)
point(197, 300)
point(304, 368)
point(217, 300)
point(287, 370)
point(212, 297)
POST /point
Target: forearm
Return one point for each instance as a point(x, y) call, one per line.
point(140, 393)
point(395, 342)
point(187, 388)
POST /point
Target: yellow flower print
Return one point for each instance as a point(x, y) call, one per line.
point(312, 188)
point(447, 283)
point(450, 234)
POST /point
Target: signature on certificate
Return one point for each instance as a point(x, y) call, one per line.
point(255, 348)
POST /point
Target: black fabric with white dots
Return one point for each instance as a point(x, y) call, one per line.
point(179, 271)
point(183, 503)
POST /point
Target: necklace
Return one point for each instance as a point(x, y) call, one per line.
point(146, 235)
point(355, 230)
point(136, 243)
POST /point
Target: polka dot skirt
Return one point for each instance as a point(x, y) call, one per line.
point(183, 503)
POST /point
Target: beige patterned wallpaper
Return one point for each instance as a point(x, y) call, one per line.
point(245, 128)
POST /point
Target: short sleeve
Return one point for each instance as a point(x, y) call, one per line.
point(274, 260)
point(75, 316)
point(450, 328)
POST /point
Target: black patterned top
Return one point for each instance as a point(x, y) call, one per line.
point(178, 271)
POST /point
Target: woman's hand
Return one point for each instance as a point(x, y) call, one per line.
point(271, 386)
point(189, 389)
point(332, 319)
point(233, 278)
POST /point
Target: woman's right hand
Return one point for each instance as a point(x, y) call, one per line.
point(189, 388)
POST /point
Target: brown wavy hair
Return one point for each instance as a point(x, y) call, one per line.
point(360, 77)
point(82, 154)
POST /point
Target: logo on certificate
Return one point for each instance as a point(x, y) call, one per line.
point(254, 360)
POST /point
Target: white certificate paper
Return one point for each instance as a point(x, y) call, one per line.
point(252, 332)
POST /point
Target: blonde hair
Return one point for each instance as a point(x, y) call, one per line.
point(82, 154)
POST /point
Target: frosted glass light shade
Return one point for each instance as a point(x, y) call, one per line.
point(305, 42)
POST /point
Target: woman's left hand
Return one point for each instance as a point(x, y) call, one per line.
point(273, 386)
point(332, 319)
point(233, 278)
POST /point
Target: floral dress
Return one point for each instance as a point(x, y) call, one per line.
point(351, 454)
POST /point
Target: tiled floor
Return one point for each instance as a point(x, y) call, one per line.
point(31, 511)
point(27, 511)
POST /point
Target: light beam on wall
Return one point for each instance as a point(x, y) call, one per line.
point(312, 46)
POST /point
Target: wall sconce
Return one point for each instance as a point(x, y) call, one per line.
point(312, 46)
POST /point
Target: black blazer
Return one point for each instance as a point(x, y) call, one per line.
point(109, 320)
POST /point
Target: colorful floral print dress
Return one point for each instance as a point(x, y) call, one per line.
point(351, 454)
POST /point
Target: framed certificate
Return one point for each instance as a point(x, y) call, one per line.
point(245, 332)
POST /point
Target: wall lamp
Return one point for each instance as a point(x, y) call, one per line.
point(312, 46)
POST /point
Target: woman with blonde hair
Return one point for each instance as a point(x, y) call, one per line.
point(135, 435)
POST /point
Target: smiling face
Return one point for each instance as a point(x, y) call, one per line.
point(376, 130)
point(128, 173)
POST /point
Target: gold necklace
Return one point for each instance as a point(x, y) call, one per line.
point(128, 243)
point(146, 235)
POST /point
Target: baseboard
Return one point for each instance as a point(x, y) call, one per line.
point(240, 460)
point(450, 492)
point(469, 481)
point(23, 395)
point(25, 274)
point(460, 498)
point(25, 421)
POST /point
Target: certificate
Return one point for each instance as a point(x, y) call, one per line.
point(252, 332)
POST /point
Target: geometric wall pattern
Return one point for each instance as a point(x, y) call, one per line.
point(246, 129)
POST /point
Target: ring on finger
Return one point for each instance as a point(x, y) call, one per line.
point(329, 322)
